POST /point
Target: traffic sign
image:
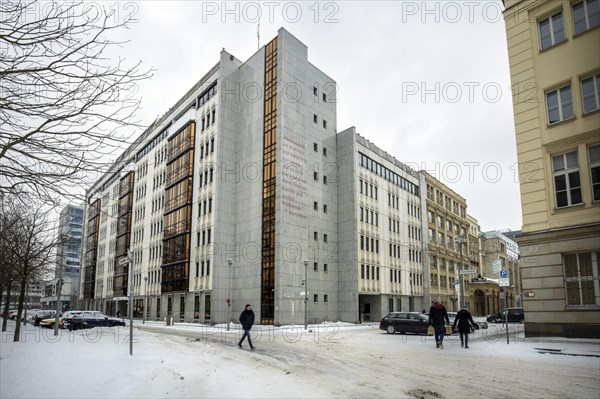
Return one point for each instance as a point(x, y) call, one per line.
point(123, 261)
point(503, 282)
point(468, 271)
point(503, 274)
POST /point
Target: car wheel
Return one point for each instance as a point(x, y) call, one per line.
point(390, 329)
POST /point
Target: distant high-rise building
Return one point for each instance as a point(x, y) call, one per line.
point(554, 55)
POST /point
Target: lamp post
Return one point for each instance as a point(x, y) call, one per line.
point(460, 240)
point(145, 299)
point(229, 262)
point(306, 295)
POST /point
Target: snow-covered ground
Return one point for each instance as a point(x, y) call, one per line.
point(334, 360)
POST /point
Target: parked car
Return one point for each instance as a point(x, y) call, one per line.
point(91, 320)
point(515, 315)
point(46, 314)
point(49, 323)
point(403, 322)
point(12, 314)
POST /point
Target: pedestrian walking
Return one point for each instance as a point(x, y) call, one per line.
point(464, 321)
point(247, 320)
point(437, 316)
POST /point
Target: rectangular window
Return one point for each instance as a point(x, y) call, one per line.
point(324, 124)
point(324, 151)
point(324, 97)
point(552, 31)
point(586, 15)
point(316, 298)
point(594, 159)
point(324, 237)
point(315, 118)
point(325, 267)
point(590, 91)
point(582, 283)
point(559, 104)
point(315, 176)
point(316, 206)
point(315, 235)
point(324, 208)
point(324, 179)
point(567, 185)
point(325, 298)
point(315, 147)
point(315, 266)
point(315, 90)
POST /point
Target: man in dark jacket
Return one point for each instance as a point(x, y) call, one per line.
point(464, 320)
point(437, 316)
point(247, 320)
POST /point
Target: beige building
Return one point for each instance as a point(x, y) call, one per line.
point(554, 54)
point(446, 222)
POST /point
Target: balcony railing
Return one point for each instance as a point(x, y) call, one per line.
point(176, 202)
point(174, 229)
point(177, 148)
point(177, 174)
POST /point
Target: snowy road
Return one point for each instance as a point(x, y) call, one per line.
point(345, 361)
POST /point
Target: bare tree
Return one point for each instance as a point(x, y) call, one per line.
point(7, 258)
point(65, 100)
point(29, 244)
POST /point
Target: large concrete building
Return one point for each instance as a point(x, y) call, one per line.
point(243, 192)
point(554, 56)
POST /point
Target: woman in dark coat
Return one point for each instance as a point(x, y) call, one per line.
point(464, 320)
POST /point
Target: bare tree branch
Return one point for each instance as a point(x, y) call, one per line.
point(64, 103)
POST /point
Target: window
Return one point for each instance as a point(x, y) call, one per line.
point(590, 91)
point(324, 97)
point(316, 206)
point(559, 104)
point(581, 279)
point(567, 186)
point(552, 31)
point(315, 266)
point(324, 208)
point(325, 267)
point(594, 159)
point(315, 147)
point(315, 235)
point(316, 298)
point(325, 297)
point(586, 15)
point(324, 124)
point(324, 151)
point(315, 90)
point(324, 237)
point(324, 179)
point(315, 176)
point(315, 118)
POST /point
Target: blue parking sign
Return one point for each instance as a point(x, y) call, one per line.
point(503, 273)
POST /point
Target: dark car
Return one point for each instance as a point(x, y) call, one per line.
point(91, 320)
point(515, 315)
point(403, 322)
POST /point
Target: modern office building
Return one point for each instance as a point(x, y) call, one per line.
point(243, 192)
point(554, 56)
point(68, 260)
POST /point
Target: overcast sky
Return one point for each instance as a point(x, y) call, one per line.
point(427, 81)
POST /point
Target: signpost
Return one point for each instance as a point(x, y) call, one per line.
point(497, 266)
point(468, 271)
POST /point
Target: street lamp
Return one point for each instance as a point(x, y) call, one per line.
point(460, 241)
point(145, 299)
point(306, 295)
point(229, 262)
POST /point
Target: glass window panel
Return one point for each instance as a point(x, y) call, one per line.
point(560, 183)
point(587, 292)
point(558, 27)
point(596, 183)
point(579, 18)
point(594, 152)
point(545, 33)
point(558, 163)
point(566, 102)
point(585, 265)
point(590, 94)
point(571, 266)
point(574, 181)
point(576, 196)
point(553, 112)
point(572, 159)
point(573, 293)
point(593, 9)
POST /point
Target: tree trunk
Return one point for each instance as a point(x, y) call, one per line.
point(19, 314)
point(6, 305)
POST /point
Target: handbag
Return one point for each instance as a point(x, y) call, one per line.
point(430, 330)
point(448, 329)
